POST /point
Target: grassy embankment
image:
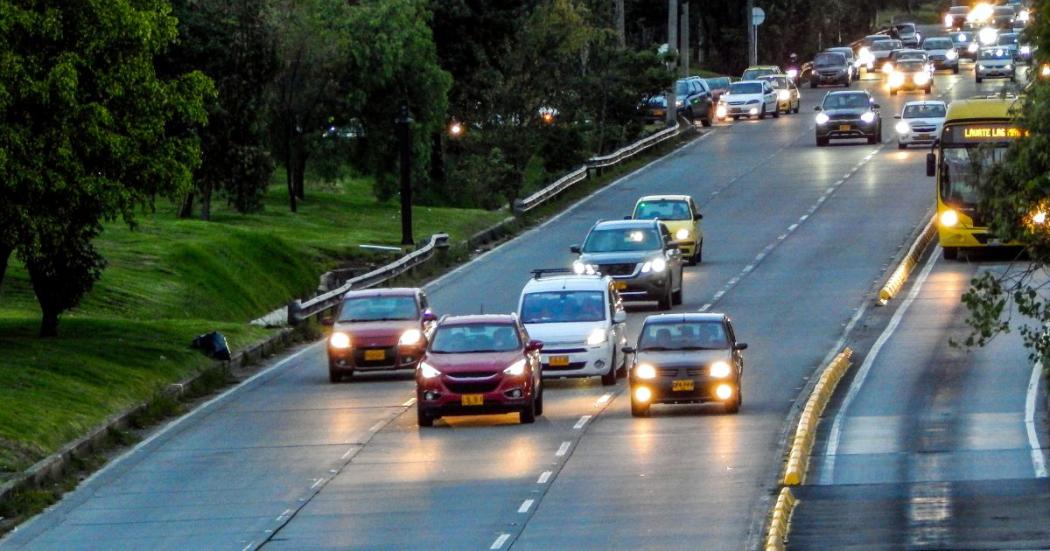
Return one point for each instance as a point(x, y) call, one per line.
point(166, 282)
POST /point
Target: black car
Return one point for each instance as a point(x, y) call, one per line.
point(956, 17)
point(686, 358)
point(848, 115)
point(1003, 17)
point(830, 68)
point(907, 34)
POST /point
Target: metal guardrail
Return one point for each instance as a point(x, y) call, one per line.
point(299, 311)
point(521, 206)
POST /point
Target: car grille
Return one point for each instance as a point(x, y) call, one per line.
point(843, 117)
point(389, 357)
point(937, 58)
point(617, 269)
point(680, 372)
point(556, 351)
point(472, 374)
point(471, 387)
point(924, 129)
point(571, 366)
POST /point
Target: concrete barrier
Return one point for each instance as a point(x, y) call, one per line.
point(780, 520)
point(900, 275)
point(806, 432)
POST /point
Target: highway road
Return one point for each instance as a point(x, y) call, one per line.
point(797, 238)
point(932, 446)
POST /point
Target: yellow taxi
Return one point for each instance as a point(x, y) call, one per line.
point(681, 216)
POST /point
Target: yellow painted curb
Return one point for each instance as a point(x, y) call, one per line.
point(900, 275)
point(781, 520)
point(805, 433)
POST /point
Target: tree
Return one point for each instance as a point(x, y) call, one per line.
point(1015, 198)
point(232, 42)
point(90, 132)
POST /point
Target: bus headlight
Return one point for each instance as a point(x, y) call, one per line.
point(339, 341)
point(645, 371)
point(903, 128)
point(949, 218)
point(822, 118)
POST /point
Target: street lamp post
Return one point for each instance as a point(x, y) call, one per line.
point(404, 137)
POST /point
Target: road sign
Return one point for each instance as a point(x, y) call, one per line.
point(758, 15)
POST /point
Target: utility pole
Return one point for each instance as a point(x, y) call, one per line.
point(672, 49)
point(752, 51)
point(685, 38)
point(404, 137)
point(621, 25)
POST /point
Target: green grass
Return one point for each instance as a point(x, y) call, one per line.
point(167, 281)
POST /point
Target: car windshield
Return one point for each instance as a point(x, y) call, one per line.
point(846, 52)
point(380, 308)
point(1007, 39)
point(720, 83)
point(995, 53)
point(778, 82)
point(622, 240)
point(963, 169)
point(745, 88)
point(911, 66)
point(682, 88)
point(883, 46)
point(904, 56)
point(927, 111)
point(475, 338)
point(846, 101)
point(563, 307)
point(752, 74)
point(828, 59)
point(1004, 10)
point(691, 335)
point(937, 44)
point(906, 28)
point(663, 210)
point(959, 10)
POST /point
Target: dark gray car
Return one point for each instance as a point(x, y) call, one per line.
point(846, 115)
point(641, 257)
point(686, 358)
point(831, 68)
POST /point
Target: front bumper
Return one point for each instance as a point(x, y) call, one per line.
point(846, 129)
point(349, 360)
point(678, 390)
point(940, 64)
point(647, 286)
point(994, 72)
point(743, 110)
point(917, 138)
point(575, 359)
point(447, 395)
point(969, 237)
point(829, 78)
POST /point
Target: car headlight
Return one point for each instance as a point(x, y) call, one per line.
point(1039, 218)
point(962, 37)
point(949, 218)
point(659, 265)
point(988, 36)
point(784, 95)
point(339, 340)
point(822, 118)
point(1045, 71)
point(1023, 16)
point(980, 67)
point(720, 111)
point(896, 80)
point(645, 371)
point(1008, 66)
point(921, 78)
point(410, 337)
point(948, 20)
point(428, 371)
point(792, 73)
point(868, 117)
point(681, 234)
point(1026, 50)
point(677, 103)
point(903, 128)
point(516, 369)
point(597, 337)
point(719, 370)
point(887, 67)
point(951, 55)
point(753, 101)
point(972, 48)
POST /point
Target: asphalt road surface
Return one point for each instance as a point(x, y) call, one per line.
point(796, 238)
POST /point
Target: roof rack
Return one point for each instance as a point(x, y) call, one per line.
point(539, 273)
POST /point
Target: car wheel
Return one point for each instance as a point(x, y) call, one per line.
point(705, 122)
point(979, 80)
point(609, 378)
point(733, 406)
point(812, 83)
point(423, 418)
point(776, 111)
point(762, 115)
point(539, 402)
point(664, 303)
point(689, 115)
point(902, 145)
point(798, 105)
point(638, 409)
point(821, 142)
point(528, 413)
point(698, 256)
point(951, 253)
point(955, 70)
point(676, 297)
point(736, 117)
point(878, 133)
point(334, 376)
point(872, 139)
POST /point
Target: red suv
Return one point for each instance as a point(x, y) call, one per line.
point(479, 364)
point(378, 329)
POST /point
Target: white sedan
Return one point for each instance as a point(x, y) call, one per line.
point(920, 123)
point(748, 98)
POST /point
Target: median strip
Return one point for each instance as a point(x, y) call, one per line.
point(781, 520)
point(899, 276)
point(805, 433)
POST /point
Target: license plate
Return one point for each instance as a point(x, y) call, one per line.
point(659, 112)
point(373, 355)
point(559, 361)
point(472, 399)
point(681, 386)
point(619, 285)
point(843, 127)
point(923, 136)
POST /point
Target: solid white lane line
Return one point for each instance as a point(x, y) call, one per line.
point(281, 516)
point(525, 506)
point(828, 473)
point(544, 477)
point(409, 403)
point(347, 454)
point(1038, 460)
point(563, 449)
point(500, 541)
point(705, 307)
point(317, 482)
point(249, 546)
point(377, 427)
point(605, 398)
point(583, 421)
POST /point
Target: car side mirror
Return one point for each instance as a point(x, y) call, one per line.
point(628, 350)
point(575, 249)
point(429, 316)
point(619, 316)
point(740, 346)
point(534, 346)
point(896, 116)
point(698, 216)
point(817, 108)
point(876, 106)
point(628, 217)
point(328, 322)
point(931, 164)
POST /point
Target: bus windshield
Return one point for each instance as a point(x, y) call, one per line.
point(963, 168)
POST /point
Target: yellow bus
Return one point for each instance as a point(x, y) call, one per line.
point(977, 133)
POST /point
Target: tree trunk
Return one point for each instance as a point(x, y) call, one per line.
point(186, 209)
point(288, 169)
point(49, 322)
point(5, 255)
point(206, 201)
point(300, 169)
